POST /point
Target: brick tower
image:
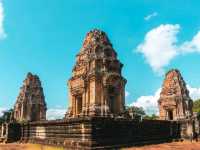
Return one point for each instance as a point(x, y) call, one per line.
point(30, 104)
point(175, 102)
point(96, 87)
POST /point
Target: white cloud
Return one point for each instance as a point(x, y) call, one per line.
point(194, 92)
point(191, 46)
point(2, 32)
point(55, 113)
point(150, 16)
point(160, 46)
point(127, 93)
point(150, 102)
point(2, 110)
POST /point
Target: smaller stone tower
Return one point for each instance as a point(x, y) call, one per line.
point(30, 104)
point(175, 102)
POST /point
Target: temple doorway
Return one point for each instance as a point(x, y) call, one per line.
point(111, 104)
point(112, 98)
point(79, 105)
point(170, 114)
point(34, 113)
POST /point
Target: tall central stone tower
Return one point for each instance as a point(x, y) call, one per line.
point(96, 87)
point(30, 104)
point(175, 102)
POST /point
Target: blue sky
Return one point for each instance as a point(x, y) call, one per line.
point(150, 37)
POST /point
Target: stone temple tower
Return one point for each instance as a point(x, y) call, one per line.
point(96, 87)
point(175, 102)
point(30, 104)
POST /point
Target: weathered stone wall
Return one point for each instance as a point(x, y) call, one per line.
point(10, 132)
point(91, 133)
point(189, 127)
point(73, 133)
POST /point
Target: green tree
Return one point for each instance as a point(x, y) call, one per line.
point(151, 117)
point(196, 106)
point(134, 112)
point(6, 116)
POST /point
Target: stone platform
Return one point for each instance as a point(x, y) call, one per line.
point(98, 132)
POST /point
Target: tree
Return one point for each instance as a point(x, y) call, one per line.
point(152, 117)
point(134, 112)
point(6, 116)
point(196, 106)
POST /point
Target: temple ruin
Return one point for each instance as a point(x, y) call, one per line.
point(96, 87)
point(30, 104)
point(175, 102)
point(95, 117)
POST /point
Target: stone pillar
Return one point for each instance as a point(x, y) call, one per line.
point(102, 101)
point(2, 128)
point(88, 100)
point(73, 106)
point(119, 101)
point(84, 103)
point(6, 133)
point(106, 101)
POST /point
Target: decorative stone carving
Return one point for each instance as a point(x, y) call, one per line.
point(96, 87)
point(175, 102)
point(30, 104)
